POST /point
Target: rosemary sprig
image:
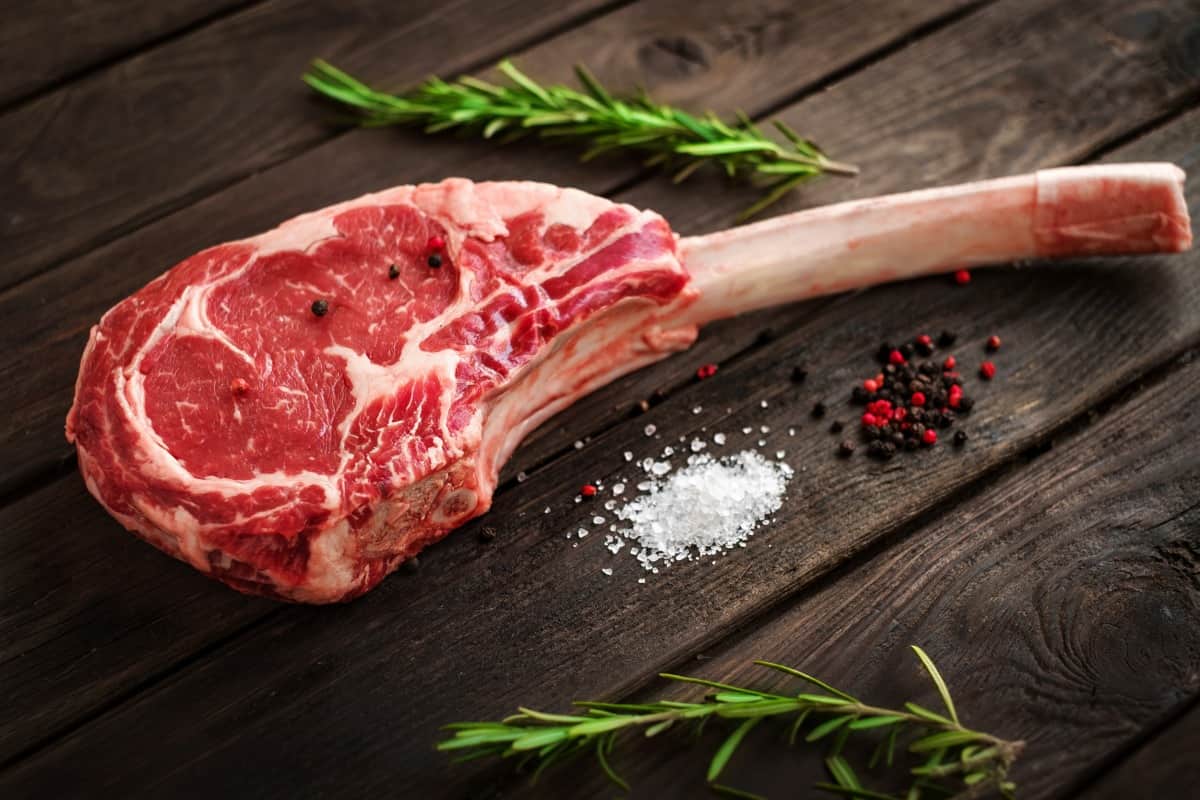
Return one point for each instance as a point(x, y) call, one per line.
point(947, 757)
point(675, 139)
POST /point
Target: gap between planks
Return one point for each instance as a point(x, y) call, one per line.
point(153, 42)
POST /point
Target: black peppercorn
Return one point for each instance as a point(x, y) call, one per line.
point(906, 350)
point(320, 307)
point(799, 374)
point(393, 272)
point(947, 419)
point(837, 426)
point(859, 395)
point(888, 451)
point(846, 449)
point(965, 404)
point(960, 438)
point(875, 449)
point(487, 533)
point(818, 410)
point(434, 260)
point(946, 339)
point(911, 443)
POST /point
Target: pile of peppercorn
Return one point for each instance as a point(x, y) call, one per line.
point(910, 399)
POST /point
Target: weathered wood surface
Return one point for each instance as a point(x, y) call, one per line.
point(370, 160)
point(346, 700)
point(47, 42)
point(1071, 622)
point(157, 132)
point(139, 159)
point(111, 670)
point(530, 619)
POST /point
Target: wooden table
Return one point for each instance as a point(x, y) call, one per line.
point(1051, 568)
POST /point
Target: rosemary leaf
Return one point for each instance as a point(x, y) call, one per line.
point(678, 141)
point(956, 760)
point(727, 749)
point(936, 677)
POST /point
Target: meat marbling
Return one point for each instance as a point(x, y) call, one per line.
point(305, 457)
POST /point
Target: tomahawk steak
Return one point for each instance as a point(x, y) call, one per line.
point(298, 413)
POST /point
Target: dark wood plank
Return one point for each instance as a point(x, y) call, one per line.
point(1164, 766)
point(44, 43)
point(1062, 605)
point(258, 202)
point(971, 102)
point(88, 611)
point(353, 695)
point(156, 132)
point(256, 113)
point(44, 348)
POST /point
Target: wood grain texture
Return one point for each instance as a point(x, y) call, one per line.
point(970, 102)
point(250, 207)
point(1165, 765)
point(1062, 605)
point(350, 697)
point(45, 345)
point(83, 615)
point(46, 42)
point(152, 134)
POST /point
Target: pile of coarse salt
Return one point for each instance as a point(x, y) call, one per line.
point(709, 506)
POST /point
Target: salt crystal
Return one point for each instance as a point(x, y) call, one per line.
point(762, 442)
point(697, 409)
point(747, 430)
point(791, 431)
point(660, 468)
point(641, 580)
point(609, 505)
point(628, 456)
point(779, 454)
point(578, 499)
point(649, 430)
point(606, 571)
point(618, 488)
point(582, 532)
point(597, 520)
point(719, 438)
point(578, 444)
point(764, 429)
point(763, 404)
point(668, 451)
point(522, 477)
point(547, 510)
point(698, 445)
point(703, 509)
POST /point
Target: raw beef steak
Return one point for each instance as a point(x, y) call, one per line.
point(306, 456)
point(297, 413)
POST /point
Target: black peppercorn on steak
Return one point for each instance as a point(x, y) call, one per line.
point(298, 413)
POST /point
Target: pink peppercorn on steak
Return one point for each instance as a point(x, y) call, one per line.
point(298, 413)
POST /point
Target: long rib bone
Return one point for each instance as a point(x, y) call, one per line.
point(1073, 211)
